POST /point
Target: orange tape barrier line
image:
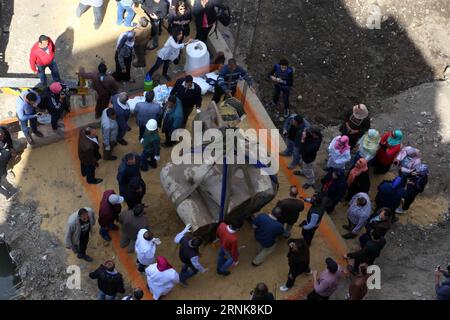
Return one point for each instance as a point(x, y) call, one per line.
point(325, 229)
point(95, 194)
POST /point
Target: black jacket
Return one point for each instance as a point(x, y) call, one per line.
point(310, 147)
point(291, 209)
point(298, 261)
point(109, 283)
point(161, 9)
point(360, 184)
point(132, 198)
point(209, 9)
point(189, 97)
point(180, 21)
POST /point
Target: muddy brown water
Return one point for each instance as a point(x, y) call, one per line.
point(8, 278)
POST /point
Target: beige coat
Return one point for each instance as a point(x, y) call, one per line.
point(73, 228)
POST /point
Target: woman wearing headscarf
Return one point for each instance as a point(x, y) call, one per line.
point(161, 277)
point(408, 160)
point(415, 184)
point(358, 179)
point(334, 188)
point(368, 145)
point(356, 124)
point(338, 153)
point(124, 56)
point(298, 260)
point(390, 146)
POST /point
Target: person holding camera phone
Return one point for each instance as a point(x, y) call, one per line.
point(442, 288)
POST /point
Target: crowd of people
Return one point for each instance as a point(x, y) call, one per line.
point(351, 154)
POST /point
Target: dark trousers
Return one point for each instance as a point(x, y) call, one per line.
point(202, 33)
point(411, 194)
point(159, 62)
point(88, 171)
point(55, 116)
point(102, 104)
point(54, 71)
point(315, 296)
point(187, 110)
point(118, 74)
point(156, 31)
point(291, 277)
point(141, 267)
point(141, 131)
point(146, 160)
point(286, 93)
point(187, 272)
point(168, 141)
point(218, 93)
point(84, 240)
point(308, 235)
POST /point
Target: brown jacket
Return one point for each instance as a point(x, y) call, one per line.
point(132, 224)
point(142, 35)
point(358, 287)
point(108, 86)
point(88, 151)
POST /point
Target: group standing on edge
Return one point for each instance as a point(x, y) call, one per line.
point(347, 178)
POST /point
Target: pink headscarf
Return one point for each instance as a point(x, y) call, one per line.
point(162, 264)
point(55, 87)
point(342, 144)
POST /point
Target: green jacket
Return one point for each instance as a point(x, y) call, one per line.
point(151, 142)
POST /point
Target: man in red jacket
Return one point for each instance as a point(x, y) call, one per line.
point(110, 208)
point(42, 55)
point(229, 252)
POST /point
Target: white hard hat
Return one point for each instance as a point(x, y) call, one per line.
point(115, 199)
point(151, 125)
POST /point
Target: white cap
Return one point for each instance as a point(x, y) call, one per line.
point(115, 199)
point(151, 125)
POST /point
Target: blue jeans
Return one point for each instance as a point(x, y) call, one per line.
point(104, 296)
point(224, 260)
point(24, 126)
point(53, 69)
point(129, 16)
point(186, 273)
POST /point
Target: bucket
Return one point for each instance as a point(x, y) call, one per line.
point(148, 83)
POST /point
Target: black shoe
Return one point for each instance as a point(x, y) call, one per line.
point(346, 227)
point(114, 227)
point(226, 273)
point(38, 134)
point(122, 142)
point(111, 158)
point(306, 186)
point(168, 78)
point(349, 236)
point(85, 257)
point(106, 237)
point(255, 265)
point(96, 181)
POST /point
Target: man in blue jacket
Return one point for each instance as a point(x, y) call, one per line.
point(267, 230)
point(228, 79)
point(282, 77)
point(122, 109)
point(128, 169)
point(173, 119)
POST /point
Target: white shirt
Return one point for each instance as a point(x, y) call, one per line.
point(160, 283)
point(171, 50)
point(93, 139)
point(94, 3)
point(145, 250)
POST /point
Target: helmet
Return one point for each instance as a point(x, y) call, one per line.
point(151, 125)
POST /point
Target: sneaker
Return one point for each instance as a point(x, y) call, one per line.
point(284, 288)
point(286, 113)
point(153, 47)
point(183, 284)
point(400, 211)
point(30, 140)
point(38, 134)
